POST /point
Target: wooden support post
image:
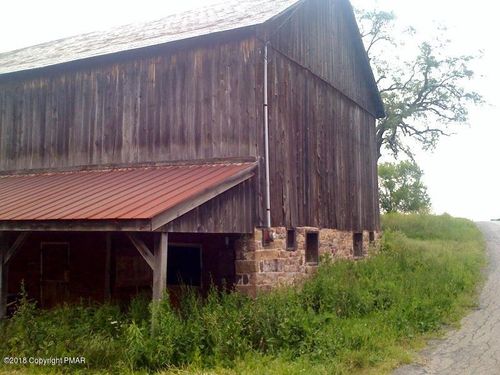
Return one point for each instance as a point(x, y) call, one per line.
point(3, 278)
point(157, 261)
point(160, 266)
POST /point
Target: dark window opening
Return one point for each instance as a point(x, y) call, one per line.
point(267, 236)
point(291, 240)
point(312, 247)
point(184, 265)
point(358, 244)
point(372, 237)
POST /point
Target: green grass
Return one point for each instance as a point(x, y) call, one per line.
point(351, 317)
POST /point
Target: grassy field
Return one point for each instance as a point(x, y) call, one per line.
point(351, 317)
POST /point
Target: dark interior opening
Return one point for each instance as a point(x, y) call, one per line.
point(184, 265)
point(312, 247)
point(358, 244)
point(372, 237)
point(291, 239)
point(54, 273)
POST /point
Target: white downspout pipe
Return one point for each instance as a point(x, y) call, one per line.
point(266, 139)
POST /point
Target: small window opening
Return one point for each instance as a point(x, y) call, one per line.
point(358, 244)
point(291, 239)
point(312, 247)
point(372, 237)
point(267, 236)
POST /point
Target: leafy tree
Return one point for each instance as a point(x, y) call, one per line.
point(423, 94)
point(402, 189)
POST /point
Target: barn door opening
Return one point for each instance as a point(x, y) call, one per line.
point(54, 273)
point(184, 265)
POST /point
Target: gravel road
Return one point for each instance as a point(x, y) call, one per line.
point(475, 348)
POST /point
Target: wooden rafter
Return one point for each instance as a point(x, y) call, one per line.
point(142, 249)
point(15, 247)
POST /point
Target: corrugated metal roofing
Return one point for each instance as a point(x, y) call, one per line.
point(119, 194)
point(228, 15)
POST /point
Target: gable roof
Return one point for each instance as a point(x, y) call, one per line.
point(225, 16)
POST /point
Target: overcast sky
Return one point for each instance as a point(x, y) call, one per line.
point(463, 174)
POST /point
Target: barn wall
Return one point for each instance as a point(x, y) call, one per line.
point(86, 267)
point(182, 104)
point(323, 153)
point(323, 37)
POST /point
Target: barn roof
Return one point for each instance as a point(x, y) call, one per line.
point(151, 196)
point(228, 15)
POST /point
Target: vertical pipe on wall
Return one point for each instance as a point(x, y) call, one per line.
point(266, 138)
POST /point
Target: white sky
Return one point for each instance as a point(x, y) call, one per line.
point(463, 174)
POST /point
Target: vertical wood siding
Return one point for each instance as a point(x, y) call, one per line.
point(322, 36)
point(195, 103)
point(323, 156)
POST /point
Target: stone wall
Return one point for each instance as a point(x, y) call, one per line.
point(261, 267)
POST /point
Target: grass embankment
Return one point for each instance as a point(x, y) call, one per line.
point(363, 316)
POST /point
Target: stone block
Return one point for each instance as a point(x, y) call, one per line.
point(266, 254)
point(246, 266)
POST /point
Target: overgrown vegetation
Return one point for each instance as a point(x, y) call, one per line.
point(352, 316)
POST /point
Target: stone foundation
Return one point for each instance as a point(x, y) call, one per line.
point(261, 267)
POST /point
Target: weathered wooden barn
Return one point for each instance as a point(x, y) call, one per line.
point(230, 145)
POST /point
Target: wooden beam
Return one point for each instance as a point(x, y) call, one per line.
point(3, 277)
point(76, 226)
point(160, 268)
point(142, 249)
point(15, 247)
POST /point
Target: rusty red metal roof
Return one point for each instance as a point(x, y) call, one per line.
point(115, 194)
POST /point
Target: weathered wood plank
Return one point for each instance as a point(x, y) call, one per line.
point(329, 46)
point(77, 226)
point(319, 153)
point(160, 266)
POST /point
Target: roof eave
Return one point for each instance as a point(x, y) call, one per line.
point(152, 50)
